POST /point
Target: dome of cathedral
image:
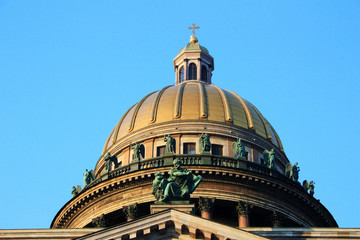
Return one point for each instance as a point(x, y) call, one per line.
point(192, 106)
point(192, 102)
point(217, 135)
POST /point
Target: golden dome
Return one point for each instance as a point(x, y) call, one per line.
point(185, 111)
point(196, 102)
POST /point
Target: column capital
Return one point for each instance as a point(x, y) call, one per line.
point(131, 211)
point(242, 208)
point(206, 204)
point(99, 221)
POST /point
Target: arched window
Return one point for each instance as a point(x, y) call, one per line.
point(181, 75)
point(204, 73)
point(192, 71)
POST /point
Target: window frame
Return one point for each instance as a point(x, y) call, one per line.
point(192, 75)
point(181, 74)
point(221, 147)
point(187, 144)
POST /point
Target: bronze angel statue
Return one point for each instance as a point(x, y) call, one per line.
point(269, 158)
point(170, 144)
point(89, 176)
point(110, 159)
point(238, 149)
point(75, 191)
point(309, 186)
point(204, 143)
point(292, 171)
point(139, 151)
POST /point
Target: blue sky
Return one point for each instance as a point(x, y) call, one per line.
point(70, 69)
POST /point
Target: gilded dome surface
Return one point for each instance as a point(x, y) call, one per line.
point(192, 101)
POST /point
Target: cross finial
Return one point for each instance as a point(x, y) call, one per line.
point(193, 28)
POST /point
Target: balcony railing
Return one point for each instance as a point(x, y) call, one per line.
point(191, 160)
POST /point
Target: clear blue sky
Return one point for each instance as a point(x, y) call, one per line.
point(70, 69)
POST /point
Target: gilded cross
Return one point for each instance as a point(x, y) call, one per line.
point(193, 28)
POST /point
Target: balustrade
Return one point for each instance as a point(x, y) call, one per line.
point(191, 160)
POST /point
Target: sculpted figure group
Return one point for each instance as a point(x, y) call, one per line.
point(309, 186)
point(177, 187)
point(88, 177)
point(75, 191)
point(292, 171)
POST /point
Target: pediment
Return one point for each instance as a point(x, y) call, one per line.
point(172, 224)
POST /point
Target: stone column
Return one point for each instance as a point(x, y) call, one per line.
point(186, 69)
point(277, 220)
point(130, 212)
point(177, 75)
point(206, 207)
point(243, 212)
point(198, 64)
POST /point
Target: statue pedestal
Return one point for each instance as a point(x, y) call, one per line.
point(183, 206)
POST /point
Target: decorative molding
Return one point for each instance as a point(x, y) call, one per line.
point(178, 100)
point(246, 109)
point(267, 130)
point(156, 104)
point(120, 122)
point(228, 113)
point(203, 102)
point(133, 118)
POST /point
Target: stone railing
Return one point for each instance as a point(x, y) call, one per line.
point(190, 160)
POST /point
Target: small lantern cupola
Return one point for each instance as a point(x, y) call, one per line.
point(193, 62)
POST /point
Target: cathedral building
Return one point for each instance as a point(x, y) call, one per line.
point(239, 183)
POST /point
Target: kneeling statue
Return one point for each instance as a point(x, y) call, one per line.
point(177, 187)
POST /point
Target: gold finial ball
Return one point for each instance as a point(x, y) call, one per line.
point(193, 39)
